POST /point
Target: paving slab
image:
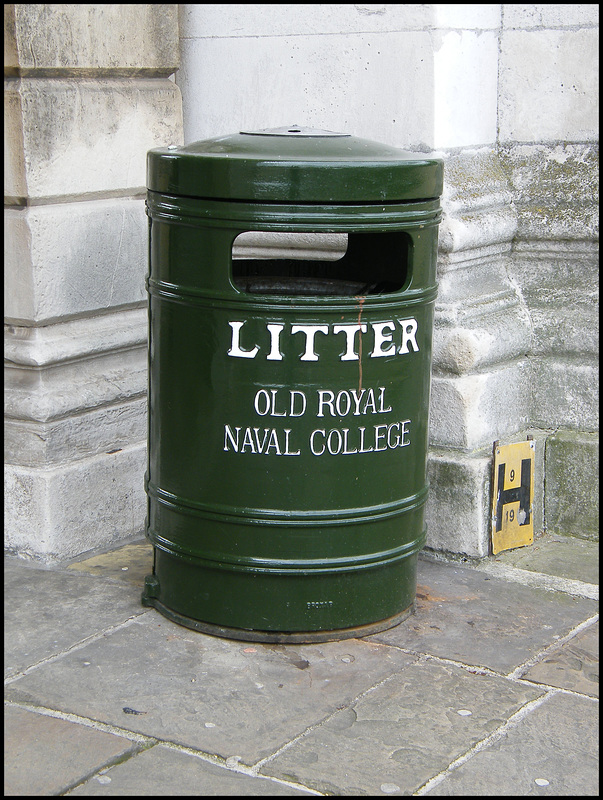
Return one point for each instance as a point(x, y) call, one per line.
point(45, 756)
point(553, 751)
point(164, 772)
point(465, 615)
point(219, 696)
point(553, 554)
point(574, 666)
point(404, 732)
point(48, 611)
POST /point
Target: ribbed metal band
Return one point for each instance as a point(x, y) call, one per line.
point(265, 516)
point(297, 566)
point(189, 295)
point(300, 217)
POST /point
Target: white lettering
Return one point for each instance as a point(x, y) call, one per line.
point(350, 332)
point(235, 349)
point(322, 393)
point(310, 331)
point(275, 335)
point(382, 338)
point(409, 328)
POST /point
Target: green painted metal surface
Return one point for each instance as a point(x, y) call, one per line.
point(288, 399)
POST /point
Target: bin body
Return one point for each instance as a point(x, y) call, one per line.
point(288, 400)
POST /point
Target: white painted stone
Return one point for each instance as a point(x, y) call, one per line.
point(57, 514)
point(277, 19)
point(87, 37)
point(74, 258)
point(469, 16)
point(465, 77)
point(550, 15)
point(549, 85)
point(68, 127)
point(376, 86)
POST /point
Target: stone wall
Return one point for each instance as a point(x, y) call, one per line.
point(87, 93)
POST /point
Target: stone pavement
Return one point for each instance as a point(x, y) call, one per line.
point(490, 688)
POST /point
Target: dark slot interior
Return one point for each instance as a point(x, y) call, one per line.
point(373, 264)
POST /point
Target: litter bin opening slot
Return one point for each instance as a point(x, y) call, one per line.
point(320, 264)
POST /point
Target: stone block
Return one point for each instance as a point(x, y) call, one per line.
point(73, 38)
point(471, 411)
point(551, 15)
point(63, 260)
point(465, 77)
point(559, 282)
point(396, 112)
point(476, 203)
point(100, 430)
point(67, 259)
point(56, 514)
point(66, 128)
point(542, 70)
point(59, 386)
point(457, 513)
point(565, 393)
point(224, 20)
point(555, 190)
point(571, 485)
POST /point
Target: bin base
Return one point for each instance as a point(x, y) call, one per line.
point(280, 637)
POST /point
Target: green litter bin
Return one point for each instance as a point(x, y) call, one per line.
point(289, 393)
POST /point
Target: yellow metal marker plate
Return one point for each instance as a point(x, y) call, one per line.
point(513, 496)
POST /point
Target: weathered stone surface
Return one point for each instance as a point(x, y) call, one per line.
point(553, 15)
point(574, 666)
point(74, 258)
point(465, 614)
point(476, 202)
point(222, 697)
point(457, 513)
point(46, 756)
point(44, 394)
point(555, 189)
point(273, 64)
point(67, 127)
point(563, 311)
point(565, 393)
point(397, 737)
point(166, 772)
point(48, 612)
point(552, 554)
point(73, 38)
point(57, 513)
point(571, 485)
point(472, 411)
point(99, 430)
point(552, 751)
point(550, 64)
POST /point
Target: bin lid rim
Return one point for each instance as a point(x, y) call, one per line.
point(306, 166)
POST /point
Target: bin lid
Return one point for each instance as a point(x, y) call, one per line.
point(294, 164)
